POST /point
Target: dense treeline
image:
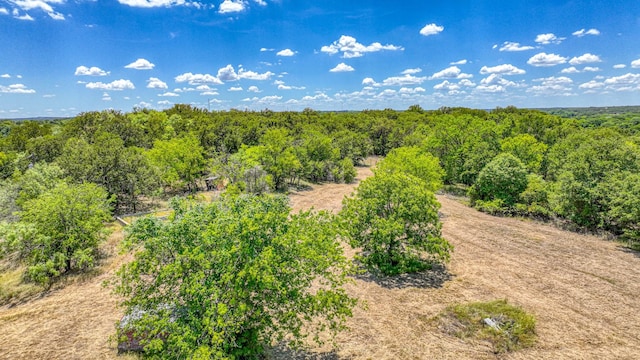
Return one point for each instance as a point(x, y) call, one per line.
point(511, 161)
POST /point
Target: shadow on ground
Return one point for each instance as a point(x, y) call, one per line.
point(284, 352)
point(429, 279)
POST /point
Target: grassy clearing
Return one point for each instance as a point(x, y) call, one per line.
point(512, 327)
point(12, 287)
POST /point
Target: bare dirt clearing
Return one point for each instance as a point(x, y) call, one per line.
point(583, 291)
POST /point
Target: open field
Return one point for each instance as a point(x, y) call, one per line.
point(583, 291)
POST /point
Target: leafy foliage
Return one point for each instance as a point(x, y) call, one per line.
point(226, 279)
point(413, 161)
point(393, 217)
point(60, 230)
point(504, 178)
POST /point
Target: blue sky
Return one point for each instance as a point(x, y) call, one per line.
point(62, 57)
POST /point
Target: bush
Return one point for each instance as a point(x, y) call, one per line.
point(504, 178)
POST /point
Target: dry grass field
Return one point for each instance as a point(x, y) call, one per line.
point(583, 291)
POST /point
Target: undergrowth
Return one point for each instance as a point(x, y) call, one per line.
point(513, 328)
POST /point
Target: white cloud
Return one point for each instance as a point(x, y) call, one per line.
point(5, 76)
point(253, 89)
point(141, 64)
point(496, 79)
point(196, 79)
point(591, 69)
point(411, 71)
point(550, 38)
point(584, 59)
point(342, 67)
point(265, 49)
point(227, 73)
point(467, 83)
point(431, 29)
point(570, 70)
point(143, 105)
point(415, 90)
point(446, 85)
point(4, 11)
point(16, 89)
point(350, 48)
point(619, 66)
point(106, 97)
point(285, 52)
point(169, 94)
point(514, 46)
point(155, 83)
point(452, 72)
point(44, 5)
point(401, 80)
point(459, 62)
point(152, 3)
point(210, 93)
point(252, 75)
point(369, 82)
point(490, 88)
point(635, 64)
point(582, 32)
point(116, 85)
point(90, 71)
point(591, 85)
point(627, 82)
point(504, 69)
point(552, 86)
point(229, 6)
point(235, 88)
point(544, 59)
point(164, 102)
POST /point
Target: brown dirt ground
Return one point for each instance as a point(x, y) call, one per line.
point(583, 291)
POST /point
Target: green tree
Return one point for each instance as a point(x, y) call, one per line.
point(526, 148)
point(226, 279)
point(504, 179)
point(68, 223)
point(180, 161)
point(277, 156)
point(393, 217)
point(413, 161)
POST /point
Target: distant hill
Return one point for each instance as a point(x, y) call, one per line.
point(39, 118)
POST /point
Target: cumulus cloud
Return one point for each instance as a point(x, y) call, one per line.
point(431, 29)
point(619, 66)
point(585, 59)
point(459, 62)
point(106, 97)
point(591, 85)
point(350, 48)
point(152, 3)
point(16, 89)
point(505, 69)
point(446, 85)
point(90, 71)
point(552, 86)
point(235, 88)
point(514, 46)
point(155, 83)
point(399, 80)
point(227, 73)
point(116, 85)
point(44, 5)
point(196, 79)
point(582, 32)
point(591, 69)
point(497, 79)
point(253, 89)
point(415, 90)
point(4, 11)
point(369, 82)
point(285, 52)
point(452, 72)
point(550, 38)
point(570, 70)
point(5, 76)
point(544, 59)
point(411, 71)
point(252, 75)
point(635, 64)
point(141, 64)
point(627, 82)
point(266, 49)
point(230, 6)
point(342, 67)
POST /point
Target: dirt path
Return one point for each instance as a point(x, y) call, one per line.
point(583, 291)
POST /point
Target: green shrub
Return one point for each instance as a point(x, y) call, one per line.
point(504, 178)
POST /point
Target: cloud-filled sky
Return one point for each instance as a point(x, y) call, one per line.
point(62, 57)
